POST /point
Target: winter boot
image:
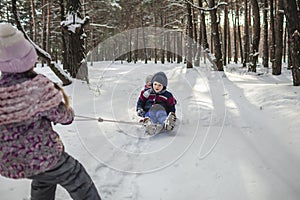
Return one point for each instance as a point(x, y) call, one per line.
point(151, 128)
point(170, 121)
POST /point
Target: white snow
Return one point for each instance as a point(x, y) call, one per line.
point(237, 136)
point(73, 22)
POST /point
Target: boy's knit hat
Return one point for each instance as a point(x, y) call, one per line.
point(16, 53)
point(161, 78)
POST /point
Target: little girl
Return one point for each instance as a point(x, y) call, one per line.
point(148, 83)
point(29, 147)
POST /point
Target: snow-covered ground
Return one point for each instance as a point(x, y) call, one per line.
point(237, 136)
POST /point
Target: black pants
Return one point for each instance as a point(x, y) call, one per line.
point(71, 175)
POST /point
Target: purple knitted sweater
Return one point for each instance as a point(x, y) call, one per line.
point(28, 143)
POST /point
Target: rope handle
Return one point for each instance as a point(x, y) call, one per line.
point(86, 118)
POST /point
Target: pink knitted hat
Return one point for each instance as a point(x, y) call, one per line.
point(16, 53)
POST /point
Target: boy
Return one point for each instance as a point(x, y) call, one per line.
point(148, 83)
point(157, 104)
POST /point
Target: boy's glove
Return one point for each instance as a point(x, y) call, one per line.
point(140, 112)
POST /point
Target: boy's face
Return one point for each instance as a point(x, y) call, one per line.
point(157, 86)
point(148, 85)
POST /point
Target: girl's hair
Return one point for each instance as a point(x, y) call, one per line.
point(65, 96)
point(30, 73)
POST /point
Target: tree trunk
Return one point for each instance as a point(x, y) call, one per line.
point(143, 32)
point(33, 16)
point(48, 33)
point(44, 26)
point(272, 27)
point(256, 36)
point(235, 42)
point(129, 43)
point(284, 45)
point(202, 38)
point(203, 29)
point(265, 35)
point(229, 50)
point(216, 36)
point(145, 44)
point(290, 63)
point(179, 47)
point(162, 41)
point(246, 36)
point(195, 33)
point(75, 53)
point(279, 39)
point(136, 48)
point(168, 46)
point(225, 34)
point(293, 19)
point(63, 36)
point(239, 32)
point(296, 58)
point(189, 45)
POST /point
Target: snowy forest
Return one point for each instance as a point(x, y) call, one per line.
point(248, 32)
point(232, 66)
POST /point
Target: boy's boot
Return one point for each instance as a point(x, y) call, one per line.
point(151, 128)
point(170, 121)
